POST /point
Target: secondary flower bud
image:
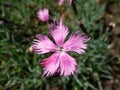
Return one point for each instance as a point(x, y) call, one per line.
point(43, 14)
point(61, 1)
point(83, 28)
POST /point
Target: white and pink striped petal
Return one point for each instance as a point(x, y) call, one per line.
point(76, 43)
point(42, 44)
point(68, 65)
point(59, 62)
point(59, 33)
point(50, 64)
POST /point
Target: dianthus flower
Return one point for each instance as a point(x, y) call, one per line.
point(60, 61)
point(43, 14)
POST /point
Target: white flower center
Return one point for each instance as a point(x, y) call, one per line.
point(60, 49)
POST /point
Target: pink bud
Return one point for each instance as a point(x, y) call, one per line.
point(61, 2)
point(43, 14)
point(70, 1)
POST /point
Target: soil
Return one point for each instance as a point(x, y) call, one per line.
point(113, 15)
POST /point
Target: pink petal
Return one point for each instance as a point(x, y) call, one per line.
point(68, 64)
point(76, 43)
point(50, 64)
point(70, 1)
point(42, 44)
point(59, 62)
point(59, 32)
point(61, 2)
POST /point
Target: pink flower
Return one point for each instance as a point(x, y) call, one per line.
point(61, 1)
point(60, 61)
point(43, 14)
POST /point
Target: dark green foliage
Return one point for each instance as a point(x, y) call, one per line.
point(20, 69)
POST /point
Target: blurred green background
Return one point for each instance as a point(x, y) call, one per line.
point(20, 69)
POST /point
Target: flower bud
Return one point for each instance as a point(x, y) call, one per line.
point(43, 14)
